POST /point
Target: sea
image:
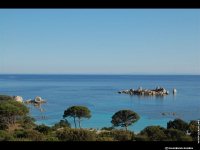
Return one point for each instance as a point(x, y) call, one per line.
point(100, 94)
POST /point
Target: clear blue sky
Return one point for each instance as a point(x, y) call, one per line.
point(100, 41)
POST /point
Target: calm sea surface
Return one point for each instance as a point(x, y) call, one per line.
point(99, 94)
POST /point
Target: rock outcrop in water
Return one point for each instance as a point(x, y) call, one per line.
point(37, 100)
point(159, 91)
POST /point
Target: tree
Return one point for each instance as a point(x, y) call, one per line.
point(77, 112)
point(10, 111)
point(124, 118)
point(178, 124)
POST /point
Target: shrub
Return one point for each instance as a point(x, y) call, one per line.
point(5, 136)
point(29, 135)
point(141, 138)
point(174, 134)
point(122, 135)
point(43, 129)
point(105, 139)
point(62, 124)
point(116, 135)
point(154, 133)
point(193, 129)
point(178, 124)
point(35, 135)
point(186, 138)
point(76, 135)
point(27, 122)
point(5, 98)
point(107, 128)
point(20, 133)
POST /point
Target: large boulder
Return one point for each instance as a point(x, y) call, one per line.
point(18, 98)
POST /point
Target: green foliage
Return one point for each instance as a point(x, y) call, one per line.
point(104, 134)
point(116, 135)
point(178, 124)
point(124, 118)
point(5, 98)
point(121, 135)
point(43, 129)
point(77, 112)
point(154, 133)
point(5, 136)
point(62, 124)
point(108, 128)
point(10, 112)
point(76, 135)
point(29, 134)
point(20, 133)
point(174, 134)
point(35, 135)
point(141, 138)
point(104, 138)
point(186, 138)
point(193, 129)
point(27, 122)
point(51, 138)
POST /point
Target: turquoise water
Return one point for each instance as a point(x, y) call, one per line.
point(99, 94)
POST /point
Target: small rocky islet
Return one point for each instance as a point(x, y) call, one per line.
point(158, 91)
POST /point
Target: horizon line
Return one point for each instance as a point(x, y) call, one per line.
point(88, 74)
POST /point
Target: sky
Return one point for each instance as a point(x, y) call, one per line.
point(100, 41)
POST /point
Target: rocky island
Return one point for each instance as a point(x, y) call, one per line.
point(159, 91)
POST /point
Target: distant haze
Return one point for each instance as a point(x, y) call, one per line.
point(100, 41)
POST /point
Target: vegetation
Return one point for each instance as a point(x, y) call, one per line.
point(75, 135)
point(154, 133)
point(178, 124)
point(11, 111)
point(77, 112)
point(17, 125)
point(124, 118)
point(193, 129)
point(177, 135)
point(5, 98)
point(43, 129)
point(62, 124)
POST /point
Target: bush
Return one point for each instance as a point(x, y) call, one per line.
point(27, 122)
point(62, 124)
point(76, 135)
point(105, 139)
point(174, 134)
point(178, 124)
point(29, 135)
point(193, 129)
point(5, 98)
point(5, 136)
point(122, 135)
point(43, 129)
point(154, 133)
point(186, 138)
point(51, 138)
point(20, 133)
point(141, 138)
point(35, 135)
point(108, 128)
